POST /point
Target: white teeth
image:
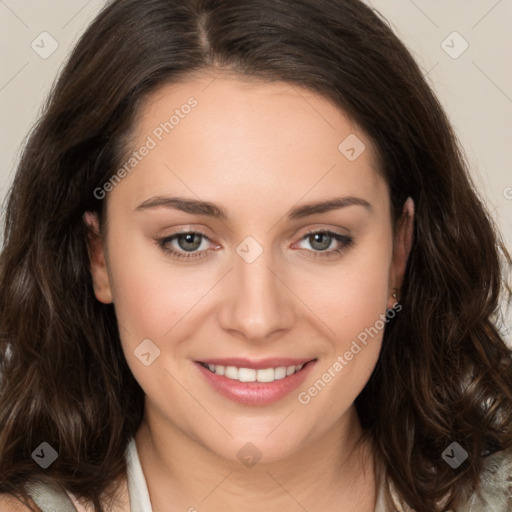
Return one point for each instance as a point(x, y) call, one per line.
point(246, 374)
point(231, 372)
point(266, 375)
point(280, 373)
point(252, 375)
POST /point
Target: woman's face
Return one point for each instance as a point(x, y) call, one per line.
point(248, 166)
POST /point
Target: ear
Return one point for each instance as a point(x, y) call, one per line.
point(97, 260)
point(401, 248)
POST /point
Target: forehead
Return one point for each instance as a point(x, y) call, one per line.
point(241, 138)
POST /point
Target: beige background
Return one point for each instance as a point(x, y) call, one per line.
point(475, 87)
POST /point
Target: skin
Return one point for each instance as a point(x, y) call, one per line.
point(258, 149)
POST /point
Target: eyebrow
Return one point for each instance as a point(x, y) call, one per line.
point(218, 212)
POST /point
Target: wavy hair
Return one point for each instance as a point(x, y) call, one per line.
point(444, 373)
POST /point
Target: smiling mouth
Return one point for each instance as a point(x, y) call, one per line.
point(264, 375)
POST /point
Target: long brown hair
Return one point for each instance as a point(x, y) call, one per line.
point(444, 373)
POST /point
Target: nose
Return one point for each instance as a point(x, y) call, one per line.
point(257, 303)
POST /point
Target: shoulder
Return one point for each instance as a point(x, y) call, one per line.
point(495, 490)
point(9, 503)
point(60, 500)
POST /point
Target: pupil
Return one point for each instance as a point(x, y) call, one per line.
point(189, 241)
point(318, 237)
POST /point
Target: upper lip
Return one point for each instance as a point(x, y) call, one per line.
point(273, 362)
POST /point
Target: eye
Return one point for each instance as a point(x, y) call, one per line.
point(188, 245)
point(184, 245)
point(322, 240)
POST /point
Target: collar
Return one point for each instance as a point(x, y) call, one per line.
point(137, 487)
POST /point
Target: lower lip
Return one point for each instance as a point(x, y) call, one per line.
point(256, 393)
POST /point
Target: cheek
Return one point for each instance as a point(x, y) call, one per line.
point(153, 301)
point(353, 306)
point(150, 294)
point(352, 296)
point(366, 299)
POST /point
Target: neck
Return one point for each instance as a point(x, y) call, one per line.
point(334, 472)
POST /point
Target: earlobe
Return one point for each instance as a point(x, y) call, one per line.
point(97, 260)
point(401, 249)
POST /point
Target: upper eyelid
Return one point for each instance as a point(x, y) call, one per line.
point(346, 242)
point(309, 232)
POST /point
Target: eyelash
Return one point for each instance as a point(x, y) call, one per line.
point(346, 242)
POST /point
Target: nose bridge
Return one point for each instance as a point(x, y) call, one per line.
point(258, 303)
